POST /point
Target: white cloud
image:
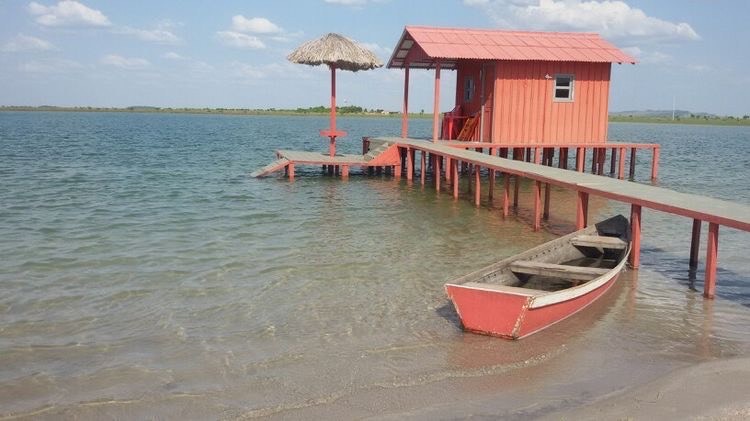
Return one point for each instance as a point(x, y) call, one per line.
point(50, 66)
point(239, 40)
point(347, 2)
point(648, 57)
point(67, 13)
point(173, 56)
point(377, 49)
point(24, 43)
point(133, 63)
point(158, 35)
point(254, 25)
point(610, 18)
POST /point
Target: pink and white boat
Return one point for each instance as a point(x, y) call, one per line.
point(528, 292)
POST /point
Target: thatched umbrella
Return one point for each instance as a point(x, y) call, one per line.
point(338, 52)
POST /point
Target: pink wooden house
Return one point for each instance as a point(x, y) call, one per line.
point(522, 88)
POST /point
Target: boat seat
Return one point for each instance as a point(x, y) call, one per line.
point(599, 241)
point(505, 288)
point(557, 271)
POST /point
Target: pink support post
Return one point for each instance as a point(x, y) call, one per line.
point(436, 105)
point(436, 169)
point(397, 168)
point(477, 183)
point(290, 171)
point(454, 170)
point(580, 159)
point(409, 164)
point(332, 137)
point(537, 155)
point(537, 205)
point(423, 170)
point(712, 253)
point(448, 165)
point(405, 115)
point(655, 163)
point(491, 186)
point(344, 171)
point(621, 166)
point(506, 194)
point(582, 210)
point(695, 243)
point(547, 197)
point(635, 236)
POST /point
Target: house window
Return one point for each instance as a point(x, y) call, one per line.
point(468, 89)
point(564, 85)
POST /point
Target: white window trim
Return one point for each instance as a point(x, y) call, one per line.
point(571, 88)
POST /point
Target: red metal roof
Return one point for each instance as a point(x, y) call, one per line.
point(424, 45)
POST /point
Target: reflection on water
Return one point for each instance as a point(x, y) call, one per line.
point(144, 275)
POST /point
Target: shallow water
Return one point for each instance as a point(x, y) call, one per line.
point(144, 273)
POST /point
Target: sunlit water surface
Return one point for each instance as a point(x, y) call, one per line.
point(144, 273)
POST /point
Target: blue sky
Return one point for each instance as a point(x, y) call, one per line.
point(233, 53)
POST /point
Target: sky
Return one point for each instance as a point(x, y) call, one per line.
point(232, 54)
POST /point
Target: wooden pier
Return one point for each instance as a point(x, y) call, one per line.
point(444, 160)
point(700, 208)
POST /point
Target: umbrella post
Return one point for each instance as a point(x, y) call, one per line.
point(332, 147)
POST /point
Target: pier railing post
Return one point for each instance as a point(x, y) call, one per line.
point(712, 253)
point(635, 236)
point(621, 166)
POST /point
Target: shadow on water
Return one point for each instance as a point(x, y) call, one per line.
point(733, 285)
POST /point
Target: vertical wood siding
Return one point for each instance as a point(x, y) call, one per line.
point(525, 112)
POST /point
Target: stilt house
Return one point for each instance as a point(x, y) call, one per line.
point(519, 87)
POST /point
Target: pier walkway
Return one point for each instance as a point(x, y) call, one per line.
point(700, 208)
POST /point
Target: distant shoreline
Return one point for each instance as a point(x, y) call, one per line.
point(213, 111)
point(696, 120)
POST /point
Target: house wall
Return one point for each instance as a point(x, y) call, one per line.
point(524, 110)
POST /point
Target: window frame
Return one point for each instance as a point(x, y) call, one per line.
point(469, 87)
point(570, 88)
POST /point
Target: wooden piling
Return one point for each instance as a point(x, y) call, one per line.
point(632, 163)
point(477, 185)
point(712, 252)
point(537, 205)
point(635, 236)
point(423, 162)
point(582, 210)
point(695, 243)
point(454, 169)
point(506, 194)
point(655, 163)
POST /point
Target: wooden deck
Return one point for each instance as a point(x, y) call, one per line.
point(318, 158)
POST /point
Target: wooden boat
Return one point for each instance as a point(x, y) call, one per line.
point(528, 292)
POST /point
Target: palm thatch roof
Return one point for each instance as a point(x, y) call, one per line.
point(337, 50)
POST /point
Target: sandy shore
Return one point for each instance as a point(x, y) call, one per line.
point(717, 390)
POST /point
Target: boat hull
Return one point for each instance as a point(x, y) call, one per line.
point(525, 293)
point(511, 316)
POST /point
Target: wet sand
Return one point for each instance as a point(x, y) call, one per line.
point(716, 390)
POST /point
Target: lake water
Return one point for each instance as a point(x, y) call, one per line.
point(144, 274)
